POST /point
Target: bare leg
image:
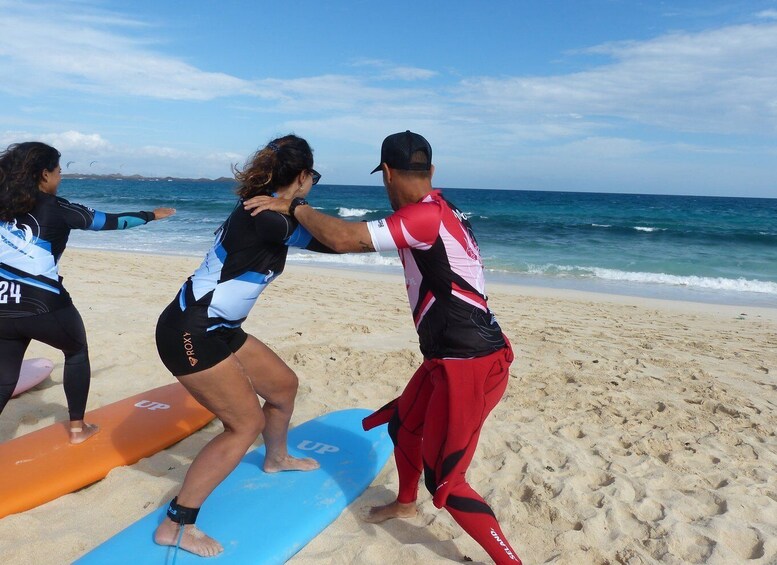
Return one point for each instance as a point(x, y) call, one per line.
point(274, 381)
point(396, 509)
point(226, 391)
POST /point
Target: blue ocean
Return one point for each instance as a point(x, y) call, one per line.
point(704, 249)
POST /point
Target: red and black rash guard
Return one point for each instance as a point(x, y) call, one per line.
point(444, 277)
point(32, 244)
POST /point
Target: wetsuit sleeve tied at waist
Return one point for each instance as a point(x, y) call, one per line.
point(380, 416)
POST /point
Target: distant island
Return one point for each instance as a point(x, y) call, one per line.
point(117, 176)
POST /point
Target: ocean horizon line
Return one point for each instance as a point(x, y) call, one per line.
point(225, 180)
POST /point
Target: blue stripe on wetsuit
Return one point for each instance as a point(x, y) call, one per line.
point(98, 221)
point(299, 238)
point(255, 278)
point(224, 325)
point(30, 281)
point(221, 253)
point(122, 222)
point(182, 298)
point(125, 222)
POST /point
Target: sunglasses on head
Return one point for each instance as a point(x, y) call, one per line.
point(316, 176)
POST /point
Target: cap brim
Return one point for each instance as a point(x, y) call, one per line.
point(376, 169)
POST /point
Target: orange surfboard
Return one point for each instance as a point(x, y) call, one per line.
point(43, 465)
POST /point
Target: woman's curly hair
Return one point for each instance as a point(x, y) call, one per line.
point(274, 166)
point(21, 170)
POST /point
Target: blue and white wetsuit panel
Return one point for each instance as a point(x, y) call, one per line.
point(31, 245)
point(248, 253)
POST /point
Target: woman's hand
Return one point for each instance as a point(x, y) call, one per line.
point(260, 203)
point(160, 213)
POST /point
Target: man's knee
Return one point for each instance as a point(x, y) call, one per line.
point(393, 427)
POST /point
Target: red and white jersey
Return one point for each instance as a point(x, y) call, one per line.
point(443, 275)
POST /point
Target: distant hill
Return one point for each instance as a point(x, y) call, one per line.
point(117, 176)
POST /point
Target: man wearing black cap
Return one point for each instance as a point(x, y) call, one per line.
point(435, 424)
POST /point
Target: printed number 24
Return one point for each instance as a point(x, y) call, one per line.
point(10, 290)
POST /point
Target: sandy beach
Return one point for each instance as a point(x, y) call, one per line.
point(633, 431)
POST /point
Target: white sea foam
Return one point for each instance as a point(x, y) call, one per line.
point(710, 283)
point(707, 283)
point(355, 259)
point(351, 212)
point(648, 229)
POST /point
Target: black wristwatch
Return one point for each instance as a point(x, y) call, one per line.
point(296, 202)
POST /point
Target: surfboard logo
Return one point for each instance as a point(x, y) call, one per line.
point(317, 447)
point(152, 405)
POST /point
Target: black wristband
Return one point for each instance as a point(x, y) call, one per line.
point(296, 202)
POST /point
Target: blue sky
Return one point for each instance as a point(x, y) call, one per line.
point(600, 95)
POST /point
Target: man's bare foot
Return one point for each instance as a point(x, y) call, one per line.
point(80, 432)
point(289, 463)
point(378, 514)
point(193, 540)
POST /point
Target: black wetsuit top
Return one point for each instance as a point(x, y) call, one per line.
point(32, 244)
point(249, 252)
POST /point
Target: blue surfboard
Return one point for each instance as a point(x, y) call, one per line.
point(265, 518)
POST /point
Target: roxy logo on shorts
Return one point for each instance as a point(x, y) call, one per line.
point(188, 347)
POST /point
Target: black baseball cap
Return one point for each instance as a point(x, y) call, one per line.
point(398, 149)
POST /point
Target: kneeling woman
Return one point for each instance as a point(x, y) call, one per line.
point(200, 339)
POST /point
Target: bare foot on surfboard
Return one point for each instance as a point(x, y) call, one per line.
point(289, 463)
point(193, 539)
point(378, 514)
point(79, 433)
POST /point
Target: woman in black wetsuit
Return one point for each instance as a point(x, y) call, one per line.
point(35, 225)
point(200, 339)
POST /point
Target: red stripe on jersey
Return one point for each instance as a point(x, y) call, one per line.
point(426, 303)
point(471, 296)
point(454, 227)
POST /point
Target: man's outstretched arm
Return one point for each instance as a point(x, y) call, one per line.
point(339, 235)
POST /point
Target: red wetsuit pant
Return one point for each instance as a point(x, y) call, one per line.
point(435, 425)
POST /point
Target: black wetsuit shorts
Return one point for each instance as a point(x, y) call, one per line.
point(186, 348)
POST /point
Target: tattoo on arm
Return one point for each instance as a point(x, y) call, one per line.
point(366, 246)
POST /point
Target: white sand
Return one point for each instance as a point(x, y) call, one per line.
point(633, 431)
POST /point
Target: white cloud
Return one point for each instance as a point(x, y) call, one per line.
point(44, 46)
point(721, 81)
point(389, 71)
point(91, 153)
point(63, 141)
point(408, 74)
point(76, 141)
